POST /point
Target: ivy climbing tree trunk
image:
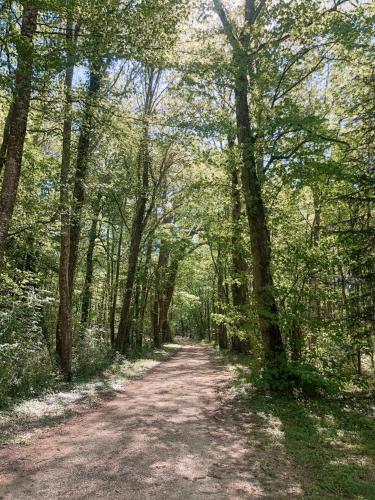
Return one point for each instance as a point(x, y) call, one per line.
point(17, 123)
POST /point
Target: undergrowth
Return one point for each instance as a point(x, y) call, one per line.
point(23, 415)
point(328, 432)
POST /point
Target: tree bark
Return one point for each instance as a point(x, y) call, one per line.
point(140, 216)
point(146, 283)
point(64, 326)
point(87, 288)
point(158, 315)
point(4, 144)
point(170, 285)
point(155, 321)
point(112, 313)
point(17, 123)
point(166, 276)
point(123, 334)
point(221, 296)
point(259, 234)
point(274, 352)
point(240, 292)
point(81, 171)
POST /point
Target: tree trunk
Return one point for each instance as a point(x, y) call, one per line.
point(274, 351)
point(80, 178)
point(259, 234)
point(112, 313)
point(168, 296)
point(64, 338)
point(144, 294)
point(140, 216)
point(221, 297)
point(64, 326)
point(208, 313)
point(17, 123)
point(123, 335)
point(87, 288)
point(4, 144)
point(155, 321)
point(158, 304)
point(136, 311)
point(240, 292)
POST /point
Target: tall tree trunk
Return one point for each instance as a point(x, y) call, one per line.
point(17, 123)
point(140, 217)
point(107, 288)
point(240, 292)
point(4, 144)
point(158, 305)
point(64, 337)
point(315, 305)
point(123, 335)
point(167, 299)
point(155, 321)
point(137, 311)
point(274, 352)
point(144, 294)
point(87, 287)
point(81, 171)
point(5, 11)
point(208, 314)
point(64, 326)
point(221, 297)
point(259, 234)
point(112, 313)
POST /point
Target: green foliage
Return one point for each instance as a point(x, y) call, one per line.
point(329, 439)
point(310, 381)
point(312, 114)
point(291, 377)
point(26, 365)
point(92, 353)
point(330, 442)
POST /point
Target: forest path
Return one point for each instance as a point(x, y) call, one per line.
point(175, 433)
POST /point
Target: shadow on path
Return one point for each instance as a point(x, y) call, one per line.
point(176, 433)
point(333, 445)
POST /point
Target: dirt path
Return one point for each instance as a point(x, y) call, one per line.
point(176, 433)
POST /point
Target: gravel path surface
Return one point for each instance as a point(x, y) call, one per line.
point(175, 433)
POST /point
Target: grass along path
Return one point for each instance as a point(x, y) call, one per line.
point(331, 442)
point(21, 420)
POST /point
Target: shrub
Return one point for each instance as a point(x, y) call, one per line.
point(92, 352)
point(287, 377)
point(26, 366)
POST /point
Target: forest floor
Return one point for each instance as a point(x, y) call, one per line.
point(330, 440)
point(181, 432)
point(22, 418)
point(176, 433)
